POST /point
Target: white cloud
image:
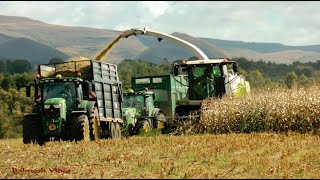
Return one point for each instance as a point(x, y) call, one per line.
point(155, 8)
point(287, 22)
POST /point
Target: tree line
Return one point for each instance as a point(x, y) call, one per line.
point(260, 75)
point(12, 66)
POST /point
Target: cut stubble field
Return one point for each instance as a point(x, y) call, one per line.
point(255, 155)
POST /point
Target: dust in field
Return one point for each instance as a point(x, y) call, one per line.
point(198, 156)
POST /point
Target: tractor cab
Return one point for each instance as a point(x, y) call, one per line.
point(143, 101)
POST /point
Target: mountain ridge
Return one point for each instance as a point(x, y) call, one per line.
point(86, 41)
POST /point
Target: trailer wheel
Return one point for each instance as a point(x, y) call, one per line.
point(118, 130)
point(32, 130)
point(80, 128)
point(113, 130)
point(94, 125)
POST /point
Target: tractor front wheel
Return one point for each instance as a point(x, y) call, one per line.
point(94, 125)
point(145, 127)
point(32, 130)
point(80, 128)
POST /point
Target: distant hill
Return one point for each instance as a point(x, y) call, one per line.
point(171, 51)
point(258, 47)
point(24, 48)
point(4, 38)
point(73, 41)
point(88, 42)
point(274, 52)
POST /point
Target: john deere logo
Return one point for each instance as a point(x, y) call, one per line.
point(52, 127)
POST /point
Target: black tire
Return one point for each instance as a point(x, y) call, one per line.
point(80, 128)
point(161, 123)
point(93, 124)
point(145, 127)
point(131, 130)
point(160, 120)
point(32, 131)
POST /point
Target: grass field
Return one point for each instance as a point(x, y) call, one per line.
point(263, 155)
point(225, 143)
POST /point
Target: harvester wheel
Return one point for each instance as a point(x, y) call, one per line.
point(129, 130)
point(146, 126)
point(32, 130)
point(160, 121)
point(80, 128)
point(94, 125)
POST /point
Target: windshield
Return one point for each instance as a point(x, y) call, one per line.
point(136, 101)
point(202, 81)
point(66, 90)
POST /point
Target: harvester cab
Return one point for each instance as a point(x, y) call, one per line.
point(140, 113)
point(207, 79)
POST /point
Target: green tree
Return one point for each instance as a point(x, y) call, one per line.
point(20, 66)
point(55, 60)
point(291, 79)
point(134, 68)
point(3, 119)
point(7, 83)
point(21, 80)
point(256, 79)
point(3, 66)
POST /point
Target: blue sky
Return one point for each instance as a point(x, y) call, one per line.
point(286, 22)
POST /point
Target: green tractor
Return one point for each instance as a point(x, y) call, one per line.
point(140, 114)
point(74, 103)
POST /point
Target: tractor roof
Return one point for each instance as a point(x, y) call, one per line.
point(209, 61)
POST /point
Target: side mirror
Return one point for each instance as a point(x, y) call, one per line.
point(235, 67)
point(87, 87)
point(175, 71)
point(28, 91)
point(78, 100)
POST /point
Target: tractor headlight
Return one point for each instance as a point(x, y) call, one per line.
point(57, 106)
point(52, 111)
point(52, 127)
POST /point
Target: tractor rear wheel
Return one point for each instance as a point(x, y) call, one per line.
point(94, 124)
point(80, 128)
point(32, 130)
